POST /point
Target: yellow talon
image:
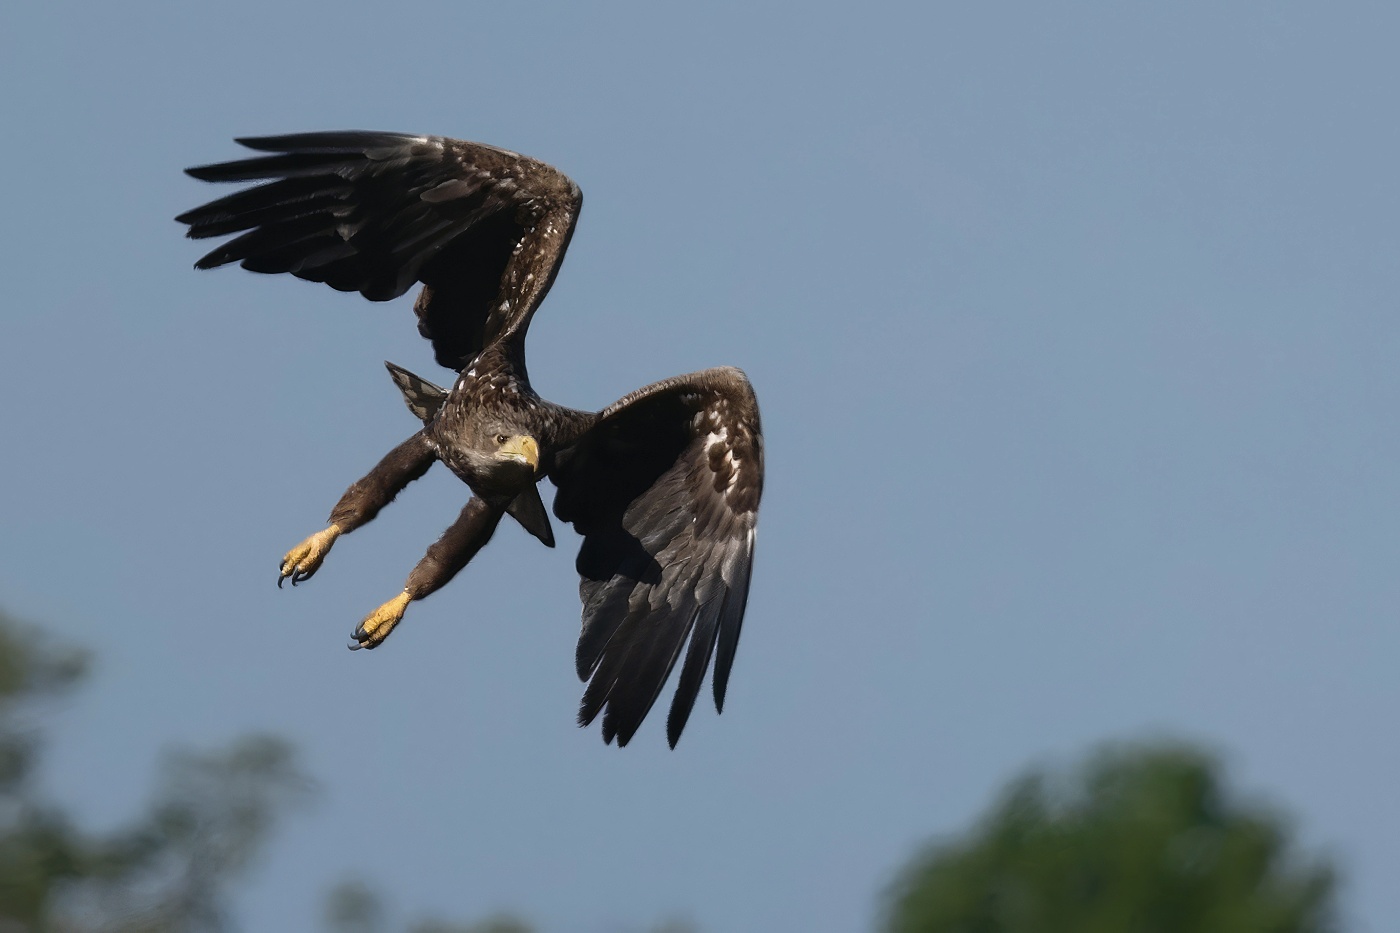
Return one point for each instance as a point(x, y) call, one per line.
point(379, 623)
point(305, 559)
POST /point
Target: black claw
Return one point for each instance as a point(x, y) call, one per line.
point(354, 646)
point(280, 577)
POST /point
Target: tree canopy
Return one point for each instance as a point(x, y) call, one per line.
point(167, 871)
point(173, 869)
point(1139, 840)
point(1144, 839)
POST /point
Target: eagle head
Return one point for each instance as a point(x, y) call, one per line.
point(502, 461)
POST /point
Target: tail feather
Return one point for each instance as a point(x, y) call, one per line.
point(422, 397)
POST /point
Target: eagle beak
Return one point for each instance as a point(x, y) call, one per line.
point(523, 448)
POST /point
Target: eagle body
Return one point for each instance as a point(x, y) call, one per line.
point(663, 485)
point(492, 398)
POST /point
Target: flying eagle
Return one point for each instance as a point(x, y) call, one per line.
point(663, 484)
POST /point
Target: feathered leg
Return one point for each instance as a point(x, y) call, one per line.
point(449, 554)
point(360, 504)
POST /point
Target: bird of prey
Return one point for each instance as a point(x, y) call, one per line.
point(663, 484)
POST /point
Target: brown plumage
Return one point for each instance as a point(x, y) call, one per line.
point(664, 484)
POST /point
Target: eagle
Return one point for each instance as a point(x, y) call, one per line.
point(663, 485)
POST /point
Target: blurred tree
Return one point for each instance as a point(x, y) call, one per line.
point(166, 873)
point(1142, 839)
point(502, 924)
point(38, 850)
point(170, 872)
point(353, 908)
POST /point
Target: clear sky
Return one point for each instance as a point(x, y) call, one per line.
point(1074, 328)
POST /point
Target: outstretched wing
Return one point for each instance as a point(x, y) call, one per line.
point(482, 228)
point(665, 489)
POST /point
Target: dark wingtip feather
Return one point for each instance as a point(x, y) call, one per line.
point(697, 662)
point(610, 733)
point(204, 172)
point(731, 624)
point(620, 732)
point(283, 165)
point(324, 141)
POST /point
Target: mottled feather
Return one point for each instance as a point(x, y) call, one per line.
point(665, 490)
point(423, 398)
point(484, 229)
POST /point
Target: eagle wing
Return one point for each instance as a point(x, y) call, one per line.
point(483, 229)
point(665, 490)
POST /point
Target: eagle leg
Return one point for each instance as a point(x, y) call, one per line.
point(360, 504)
point(447, 555)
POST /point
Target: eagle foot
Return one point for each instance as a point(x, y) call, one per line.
point(379, 623)
point(305, 559)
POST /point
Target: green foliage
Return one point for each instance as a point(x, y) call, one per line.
point(38, 849)
point(502, 924)
point(212, 814)
point(169, 871)
point(32, 669)
point(1141, 841)
point(353, 908)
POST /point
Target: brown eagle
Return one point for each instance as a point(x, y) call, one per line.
point(663, 484)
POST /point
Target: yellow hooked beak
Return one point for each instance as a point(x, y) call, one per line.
point(522, 447)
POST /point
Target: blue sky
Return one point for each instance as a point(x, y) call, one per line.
point(1074, 332)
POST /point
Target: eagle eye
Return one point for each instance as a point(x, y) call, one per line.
point(500, 438)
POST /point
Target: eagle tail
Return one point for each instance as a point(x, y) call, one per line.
point(421, 396)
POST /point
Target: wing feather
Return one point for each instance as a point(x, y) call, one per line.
point(665, 490)
point(483, 229)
